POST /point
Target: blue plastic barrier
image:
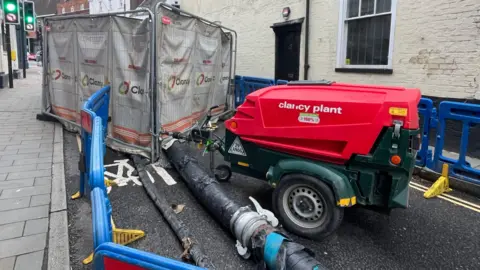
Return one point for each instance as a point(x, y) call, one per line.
point(468, 114)
point(252, 84)
point(239, 90)
point(108, 255)
point(113, 256)
point(245, 85)
point(96, 105)
point(425, 109)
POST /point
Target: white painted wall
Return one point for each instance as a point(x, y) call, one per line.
point(436, 45)
point(106, 6)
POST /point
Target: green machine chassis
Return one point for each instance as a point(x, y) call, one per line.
point(366, 180)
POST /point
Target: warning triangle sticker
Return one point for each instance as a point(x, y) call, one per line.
point(237, 148)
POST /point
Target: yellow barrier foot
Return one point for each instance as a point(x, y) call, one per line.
point(109, 183)
point(440, 186)
point(76, 195)
point(121, 237)
point(89, 259)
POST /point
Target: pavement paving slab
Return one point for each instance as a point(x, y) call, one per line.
point(26, 149)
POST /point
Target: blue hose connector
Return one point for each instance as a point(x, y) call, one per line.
point(271, 249)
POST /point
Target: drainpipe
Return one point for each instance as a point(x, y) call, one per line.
point(307, 39)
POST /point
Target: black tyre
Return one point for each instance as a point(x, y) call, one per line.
point(306, 206)
point(223, 173)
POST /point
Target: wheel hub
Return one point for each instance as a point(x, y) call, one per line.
point(304, 206)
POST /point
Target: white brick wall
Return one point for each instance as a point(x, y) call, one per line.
point(436, 46)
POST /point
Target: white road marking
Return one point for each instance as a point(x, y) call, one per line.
point(151, 177)
point(118, 177)
point(164, 175)
point(449, 198)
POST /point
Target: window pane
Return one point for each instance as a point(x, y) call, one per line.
point(352, 10)
point(368, 41)
point(367, 7)
point(384, 6)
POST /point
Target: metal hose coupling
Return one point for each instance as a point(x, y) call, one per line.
point(245, 222)
point(256, 235)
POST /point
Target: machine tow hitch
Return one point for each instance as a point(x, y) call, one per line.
point(203, 134)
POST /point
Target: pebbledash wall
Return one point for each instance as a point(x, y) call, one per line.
point(436, 44)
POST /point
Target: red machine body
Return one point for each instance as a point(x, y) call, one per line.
point(324, 122)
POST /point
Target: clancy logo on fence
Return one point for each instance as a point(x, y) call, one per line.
point(59, 74)
point(204, 78)
point(123, 88)
point(126, 87)
point(175, 80)
point(89, 80)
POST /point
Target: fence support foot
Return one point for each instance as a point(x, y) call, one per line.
point(440, 186)
point(46, 118)
point(76, 195)
point(109, 183)
point(121, 237)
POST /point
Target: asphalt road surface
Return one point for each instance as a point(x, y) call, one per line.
point(430, 234)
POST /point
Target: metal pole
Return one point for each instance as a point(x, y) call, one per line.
point(23, 48)
point(9, 55)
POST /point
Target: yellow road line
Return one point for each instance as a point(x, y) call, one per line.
point(449, 196)
point(449, 200)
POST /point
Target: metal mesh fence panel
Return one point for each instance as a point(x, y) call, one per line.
point(175, 51)
point(190, 68)
point(93, 48)
point(130, 96)
point(61, 70)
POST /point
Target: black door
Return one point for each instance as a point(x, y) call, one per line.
point(287, 51)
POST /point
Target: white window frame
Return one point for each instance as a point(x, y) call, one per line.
point(342, 36)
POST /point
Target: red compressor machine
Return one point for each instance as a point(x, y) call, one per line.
point(324, 146)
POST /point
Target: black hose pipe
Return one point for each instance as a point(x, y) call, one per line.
point(205, 188)
point(251, 229)
point(191, 246)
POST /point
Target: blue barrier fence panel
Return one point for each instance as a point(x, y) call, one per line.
point(107, 254)
point(245, 85)
point(96, 168)
point(96, 105)
point(239, 90)
point(252, 84)
point(113, 256)
point(101, 219)
point(425, 108)
point(469, 115)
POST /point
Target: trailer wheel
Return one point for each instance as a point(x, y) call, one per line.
point(306, 206)
point(223, 173)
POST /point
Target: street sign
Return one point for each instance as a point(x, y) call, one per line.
point(11, 10)
point(29, 16)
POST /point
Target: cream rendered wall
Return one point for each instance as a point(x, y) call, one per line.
point(436, 45)
point(252, 20)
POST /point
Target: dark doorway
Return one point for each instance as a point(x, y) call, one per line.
point(287, 50)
